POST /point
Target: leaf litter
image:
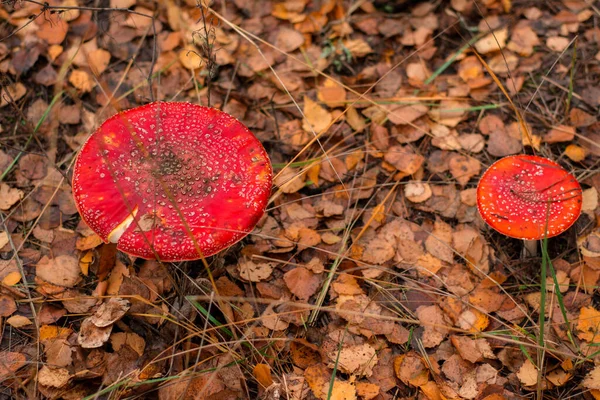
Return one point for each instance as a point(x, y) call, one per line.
point(371, 274)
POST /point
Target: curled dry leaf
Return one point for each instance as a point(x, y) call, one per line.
point(82, 80)
point(110, 312)
point(417, 192)
point(90, 336)
point(9, 196)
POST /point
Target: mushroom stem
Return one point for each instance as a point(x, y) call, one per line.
point(530, 248)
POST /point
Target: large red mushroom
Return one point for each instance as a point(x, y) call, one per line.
point(172, 180)
point(528, 197)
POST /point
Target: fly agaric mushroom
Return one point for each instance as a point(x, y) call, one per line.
point(521, 196)
point(172, 180)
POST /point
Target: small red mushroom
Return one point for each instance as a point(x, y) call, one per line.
point(520, 196)
point(171, 180)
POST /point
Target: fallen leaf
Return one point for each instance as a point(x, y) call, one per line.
point(9, 196)
point(254, 272)
point(11, 93)
point(82, 80)
point(411, 369)
point(288, 40)
point(359, 359)
point(98, 61)
point(110, 312)
point(10, 362)
point(435, 323)
point(357, 47)
point(18, 321)
point(262, 373)
point(417, 192)
point(7, 306)
point(316, 119)
point(53, 377)
point(528, 373)
point(575, 153)
point(588, 324)
point(332, 94)
point(61, 271)
point(557, 44)
point(90, 336)
point(302, 282)
point(494, 41)
point(133, 340)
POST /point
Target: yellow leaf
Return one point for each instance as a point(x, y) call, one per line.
point(575, 153)
point(316, 117)
point(12, 278)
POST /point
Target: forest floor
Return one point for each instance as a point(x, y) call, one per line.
point(372, 274)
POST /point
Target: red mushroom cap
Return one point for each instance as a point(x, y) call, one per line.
point(161, 178)
point(517, 194)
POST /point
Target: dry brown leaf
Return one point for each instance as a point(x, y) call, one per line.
point(494, 41)
point(411, 369)
point(7, 306)
point(90, 336)
point(12, 278)
point(378, 251)
point(436, 325)
point(271, 320)
point(255, 272)
point(367, 391)
point(53, 377)
point(592, 379)
point(9, 196)
point(575, 153)
point(58, 352)
point(288, 40)
point(98, 61)
point(463, 168)
point(190, 59)
point(60, 271)
point(317, 118)
point(341, 390)
point(302, 282)
point(417, 192)
point(10, 362)
point(11, 93)
point(557, 44)
point(588, 325)
point(262, 373)
point(110, 312)
point(358, 47)
point(562, 133)
point(472, 350)
point(133, 340)
point(18, 321)
point(528, 373)
point(332, 94)
point(404, 159)
point(304, 354)
point(359, 359)
point(290, 180)
point(82, 80)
